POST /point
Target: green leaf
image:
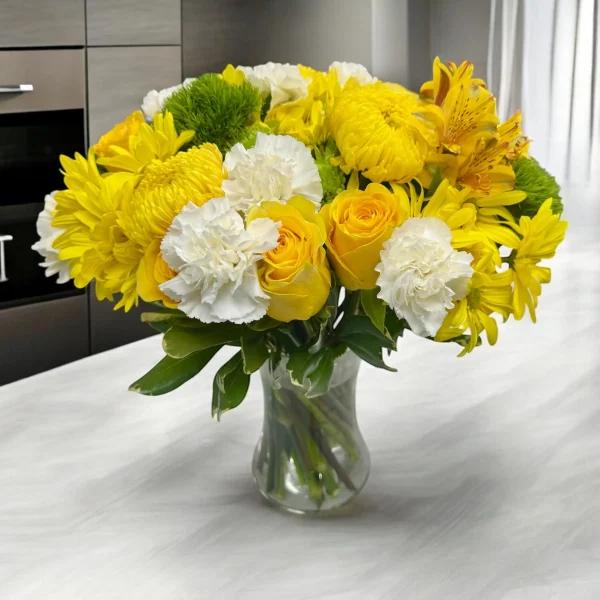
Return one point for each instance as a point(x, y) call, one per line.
point(361, 327)
point(170, 373)
point(158, 317)
point(264, 324)
point(230, 385)
point(435, 182)
point(323, 319)
point(464, 340)
point(395, 326)
point(320, 376)
point(374, 307)
point(181, 341)
point(254, 351)
point(161, 326)
point(369, 350)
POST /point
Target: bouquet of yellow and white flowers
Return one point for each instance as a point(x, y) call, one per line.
point(303, 217)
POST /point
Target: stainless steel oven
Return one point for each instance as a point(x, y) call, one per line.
point(42, 115)
point(42, 100)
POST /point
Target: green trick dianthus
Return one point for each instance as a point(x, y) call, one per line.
point(217, 111)
point(538, 184)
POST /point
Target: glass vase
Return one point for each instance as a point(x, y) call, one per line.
point(311, 456)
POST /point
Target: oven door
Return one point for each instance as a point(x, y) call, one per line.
point(38, 123)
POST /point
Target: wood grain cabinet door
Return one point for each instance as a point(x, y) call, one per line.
point(119, 78)
point(133, 22)
point(34, 23)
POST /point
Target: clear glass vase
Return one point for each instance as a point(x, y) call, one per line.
point(311, 456)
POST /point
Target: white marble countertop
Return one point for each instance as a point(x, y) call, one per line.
point(485, 478)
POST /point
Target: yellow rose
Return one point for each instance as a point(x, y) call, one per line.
point(358, 223)
point(119, 135)
point(153, 271)
point(295, 274)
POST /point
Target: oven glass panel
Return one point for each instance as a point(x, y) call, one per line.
point(30, 144)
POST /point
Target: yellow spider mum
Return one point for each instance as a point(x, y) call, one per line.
point(158, 141)
point(541, 236)
point(377, 133)
point(163, 190)
point(93, 241)
point(119, 135)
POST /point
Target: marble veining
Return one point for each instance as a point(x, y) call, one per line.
point(484, 485)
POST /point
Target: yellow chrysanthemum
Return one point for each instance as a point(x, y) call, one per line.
point(119, 135)
point(377, 133)
point(541, 236)
point(93, 241)
point(158, 141)
point(163, 190)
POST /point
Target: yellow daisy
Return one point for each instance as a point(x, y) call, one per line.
point(158, 141)
point(541, 236)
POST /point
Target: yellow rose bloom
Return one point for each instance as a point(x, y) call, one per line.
point(357, 224)
point(295, 274)
point(377, 133)
point(119, 136)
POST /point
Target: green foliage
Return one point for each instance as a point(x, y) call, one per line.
point(538, 184)
point(314, 369)
point(255, 350)
point(181, 341)
point(364, 339)
point(170, 373)
point(230, 386)
point(395, 326)
point(248, 138)
point(217, 111)
point(374, 307)
point(333, 179)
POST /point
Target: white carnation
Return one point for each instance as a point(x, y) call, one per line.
point(48, 234)
point(154, 101)
point(347, 70)
point(284, 83)
point(277, 168)
point(421, 275)
point(215, 257)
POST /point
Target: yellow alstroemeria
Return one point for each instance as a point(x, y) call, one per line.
point(158, 141)
point(541, 236)
point(233, 76)
point(444, 77)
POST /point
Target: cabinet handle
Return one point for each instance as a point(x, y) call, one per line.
point(16, 89)
point(3, 238)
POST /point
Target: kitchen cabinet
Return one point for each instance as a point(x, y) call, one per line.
point(133, 22)
point(120, 77)
point(40, 23)
point(40, 336)
point(110, 328)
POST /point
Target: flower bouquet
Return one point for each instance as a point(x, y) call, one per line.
point(307, 219)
